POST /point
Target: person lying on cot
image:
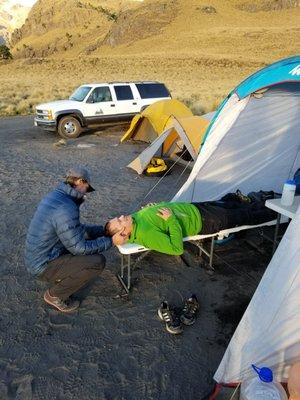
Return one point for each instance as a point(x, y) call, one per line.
point(163, 226)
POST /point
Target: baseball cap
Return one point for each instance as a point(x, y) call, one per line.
point(80, 172)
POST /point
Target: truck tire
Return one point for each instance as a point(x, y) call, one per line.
point(69, 127)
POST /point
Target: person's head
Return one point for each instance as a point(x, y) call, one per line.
point(118, 224)
point(79, 178)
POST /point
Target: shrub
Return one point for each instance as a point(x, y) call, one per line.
point(193, 104)
point(9, 110)
point(5, 53)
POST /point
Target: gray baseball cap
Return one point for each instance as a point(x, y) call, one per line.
point(78, 171)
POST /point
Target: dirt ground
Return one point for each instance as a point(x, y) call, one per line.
point(114, 347)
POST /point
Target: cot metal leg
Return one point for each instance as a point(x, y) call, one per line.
point(128, 273)
point(126, 285)
point(126, 281)
point(140, 258)
point(276, 233)
point(211, 255)
point(200, 249)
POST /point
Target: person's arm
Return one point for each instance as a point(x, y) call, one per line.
point(93, 231)
point(72, 234)
point(168, 243)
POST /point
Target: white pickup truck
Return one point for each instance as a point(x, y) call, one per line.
point(98, 104)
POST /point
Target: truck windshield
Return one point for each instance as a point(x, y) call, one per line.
point(80, 93)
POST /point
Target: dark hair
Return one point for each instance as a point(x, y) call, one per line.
point(106, 229)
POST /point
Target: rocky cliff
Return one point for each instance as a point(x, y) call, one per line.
point(12, 16)
point(62, 25)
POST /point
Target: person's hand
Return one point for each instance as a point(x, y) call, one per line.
point(120, 238)
point(164, 213)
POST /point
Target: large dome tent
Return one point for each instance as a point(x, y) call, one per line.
point(252, 144)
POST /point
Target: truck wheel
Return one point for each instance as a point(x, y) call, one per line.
point(69, 127)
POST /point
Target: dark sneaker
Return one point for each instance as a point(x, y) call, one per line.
point(190, 310)
point(165, 314)
point(62, 305)
point(242, 197)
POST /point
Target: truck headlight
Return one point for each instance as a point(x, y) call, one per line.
point(47, 114)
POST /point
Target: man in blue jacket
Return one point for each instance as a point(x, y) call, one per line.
point(59, 249)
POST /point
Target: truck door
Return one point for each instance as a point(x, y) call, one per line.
point(99, 105)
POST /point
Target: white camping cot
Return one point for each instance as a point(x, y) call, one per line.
point(251, 144)
point(128, 249)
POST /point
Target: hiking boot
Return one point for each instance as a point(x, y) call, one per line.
point(165, 314)
point(242, 197)
point(68, 305)
point(189, 311)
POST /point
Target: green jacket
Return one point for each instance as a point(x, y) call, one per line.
point(155, 233)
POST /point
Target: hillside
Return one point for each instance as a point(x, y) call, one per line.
point(111, 26)
point(200, 49)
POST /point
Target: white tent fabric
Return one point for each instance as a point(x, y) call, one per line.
point(253, 145)
point(269, 332)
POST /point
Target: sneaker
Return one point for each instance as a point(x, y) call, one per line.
point(189, 311)
point(62, 305)
point(165, 314)
point(242, 197)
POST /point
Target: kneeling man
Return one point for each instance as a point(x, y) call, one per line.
point(59, 249)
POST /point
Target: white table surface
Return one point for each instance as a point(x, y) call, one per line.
point(288, 211)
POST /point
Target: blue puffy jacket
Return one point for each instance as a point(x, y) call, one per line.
point(55, 230)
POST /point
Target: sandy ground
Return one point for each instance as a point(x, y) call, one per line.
point(113, 347)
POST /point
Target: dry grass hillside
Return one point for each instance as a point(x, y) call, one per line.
point(200, 49)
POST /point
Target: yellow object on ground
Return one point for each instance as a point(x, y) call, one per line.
point(156, 165)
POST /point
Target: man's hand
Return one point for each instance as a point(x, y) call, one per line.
point(164, 213)
point(119, 238)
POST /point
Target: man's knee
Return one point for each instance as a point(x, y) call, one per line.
point(97, 262)
point(102, 261)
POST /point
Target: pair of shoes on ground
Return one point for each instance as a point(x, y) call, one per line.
point(175, 321)
point(65, 306)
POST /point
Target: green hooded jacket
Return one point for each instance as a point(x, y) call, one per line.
point(155, 233)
